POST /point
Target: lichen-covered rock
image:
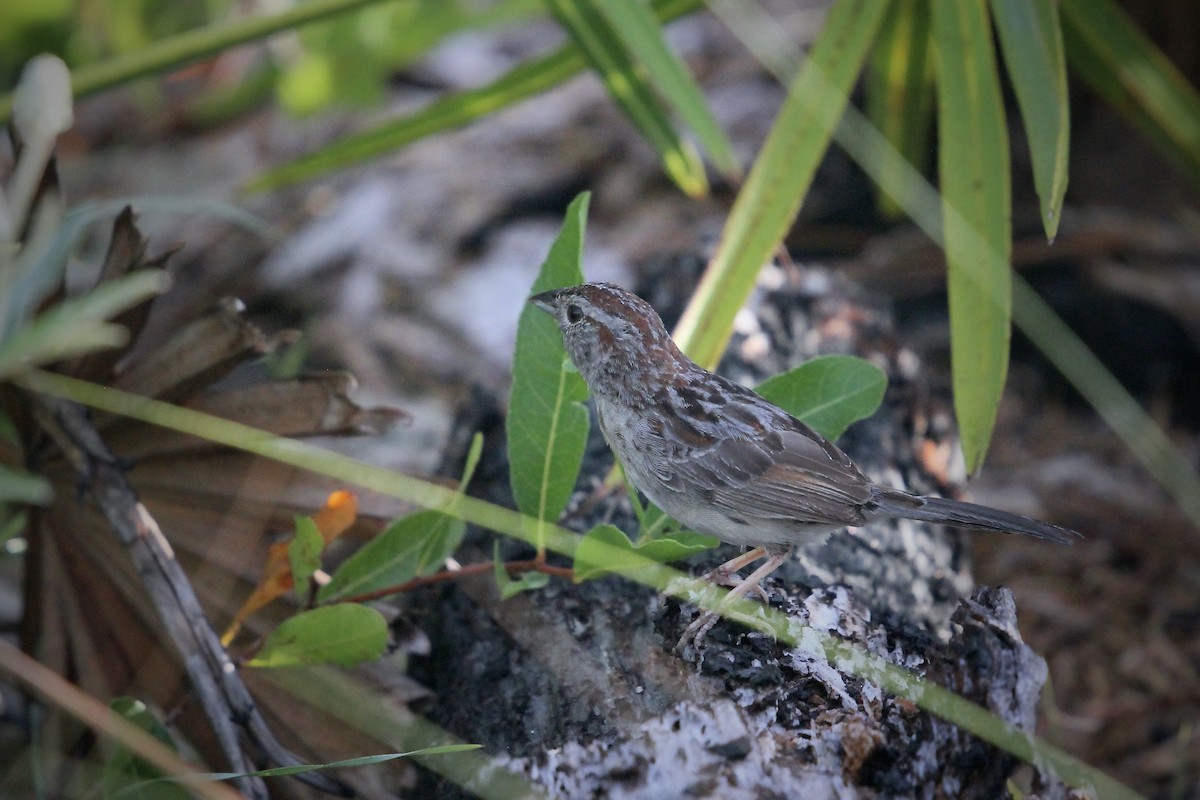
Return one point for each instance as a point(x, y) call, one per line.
point(577, 686)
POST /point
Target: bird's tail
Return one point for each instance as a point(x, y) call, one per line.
point(969, 515)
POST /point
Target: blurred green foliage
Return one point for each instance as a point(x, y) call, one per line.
point(348, 58)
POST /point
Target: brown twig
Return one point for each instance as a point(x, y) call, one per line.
point(225, 699)
point(529, 565)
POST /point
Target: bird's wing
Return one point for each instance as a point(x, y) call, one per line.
point(760, 462)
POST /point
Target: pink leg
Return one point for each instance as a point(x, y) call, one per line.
point(700, 627)
point(723, 573)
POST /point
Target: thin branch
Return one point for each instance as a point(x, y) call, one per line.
point(227, 702)
point(531, 565)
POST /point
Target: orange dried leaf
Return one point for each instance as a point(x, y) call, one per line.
point(276, 582)
point(339, 513)
point(334, 519)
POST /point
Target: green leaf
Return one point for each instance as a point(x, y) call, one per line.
point(174, 51)
point(443, 114)
point(547, 425)
point(627, 84)
point(976, 210)
point(528, 581)
point(19, 486)
point(439, 543)
point(605, 549)
point(899, 91)
point(1120, 63)
point(78, 325)
point(448, 112)
point(345, 633)
point(126, 775)
point(768, 202)
point(1031, 36)
point(828, 393)
point(304, 554)
point(410, 546)
point(641, 32)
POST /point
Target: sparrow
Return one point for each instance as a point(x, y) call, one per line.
point(721, 459)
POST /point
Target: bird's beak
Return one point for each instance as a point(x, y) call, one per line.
point(546, 301)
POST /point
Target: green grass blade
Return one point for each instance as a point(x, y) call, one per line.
point(899, 90)
point(770, 199)
point(1031, 37)
point(1121, 64)
point(446, 113)
point(347, 698)
point(449, 112)
point(1061, 346)
point(641, 32)
point(183, 48)
point(628, 84)
point(902, 682)
point(149, 788)
point(977, 225)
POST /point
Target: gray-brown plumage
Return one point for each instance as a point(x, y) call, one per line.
point(718, 457)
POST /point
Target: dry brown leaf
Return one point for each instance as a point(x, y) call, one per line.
point(121, 623)
point(334, 519)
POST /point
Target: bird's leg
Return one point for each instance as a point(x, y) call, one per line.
point(702, 624)
point(726, 574)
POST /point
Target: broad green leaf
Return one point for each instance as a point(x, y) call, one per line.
point(828, 393)
point(1031, 37)
point(1119, 62)
point(448, 112)
point(439, 544)
point(627, 83)
point(304, 554)
point(126, 775)
point(768, 202)
point(899, 91)
point(410, 546)
point(19, 486)
point(509, 587)
point(345, 633)
point(976, 211)
point(605, 549)
point(547, 425)
point(641, 32)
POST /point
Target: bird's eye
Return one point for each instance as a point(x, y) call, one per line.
point(574, 313)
